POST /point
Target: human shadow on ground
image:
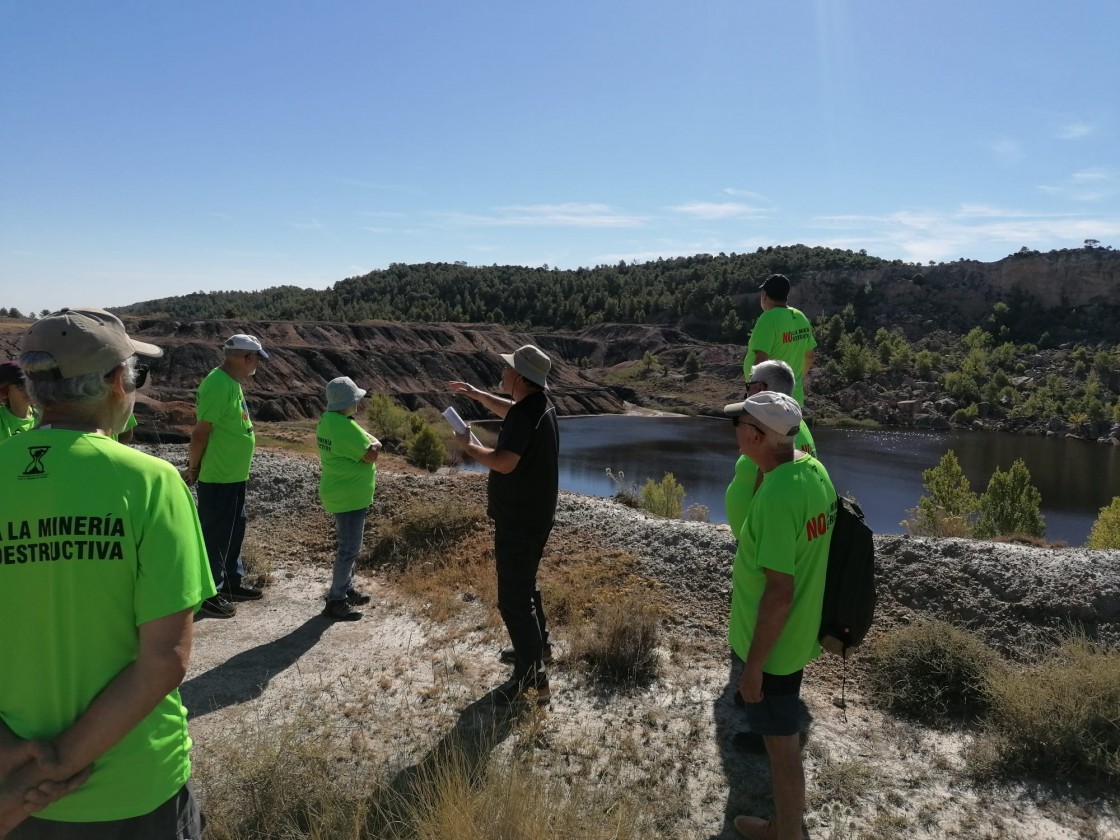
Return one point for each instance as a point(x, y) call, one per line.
point(464, 750)
point(747, 771)
point(246, 675)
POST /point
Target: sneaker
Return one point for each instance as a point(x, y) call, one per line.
point(341, 611)
point(241, 592)
point(509, 657)
point(218, 607)
point(515, 690)
point(358, 599)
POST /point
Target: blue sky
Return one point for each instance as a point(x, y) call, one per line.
point(150, 149)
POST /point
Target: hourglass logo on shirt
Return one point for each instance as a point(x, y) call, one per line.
point(36, 468)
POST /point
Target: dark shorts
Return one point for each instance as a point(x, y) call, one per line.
point(779, 713)
point(176, 819)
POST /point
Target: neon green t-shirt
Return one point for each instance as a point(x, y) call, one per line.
point(129, 424)
point(346, 482)
point(10, 425)
point(788, 529)
point(229, 452)
point(95, 540)
point(740, 492)
point(782, 333)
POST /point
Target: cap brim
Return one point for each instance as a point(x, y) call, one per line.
point(142, 348)
point(734, 410)
point(262, 353)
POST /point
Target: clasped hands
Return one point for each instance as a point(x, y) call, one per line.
point(30, 780)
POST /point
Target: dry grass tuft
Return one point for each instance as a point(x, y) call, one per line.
point(1060, 716)
point(618, 645)
point(930, 671)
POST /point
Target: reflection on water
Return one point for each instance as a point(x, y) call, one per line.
point(881, 468)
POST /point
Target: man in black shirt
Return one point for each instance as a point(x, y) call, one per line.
point(521, 499)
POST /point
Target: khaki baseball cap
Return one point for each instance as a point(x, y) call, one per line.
point(83, 340)
point(531, 362)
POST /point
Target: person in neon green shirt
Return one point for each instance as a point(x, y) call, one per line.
point(102, 567)
point(218, 459)
point(781, 332)
point(17, 414)
point(348, 458)
point(777, 590)
point(771, 375)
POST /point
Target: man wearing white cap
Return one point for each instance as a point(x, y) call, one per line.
point(219, 458)
point(521, 496)
point(777, 590)
point(101, 570)
point(347, 480)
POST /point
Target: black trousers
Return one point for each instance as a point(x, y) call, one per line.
point(176, 819)
point(518, 556)
point(221, 512)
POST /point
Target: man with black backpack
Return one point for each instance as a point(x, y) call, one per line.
point(778, 584)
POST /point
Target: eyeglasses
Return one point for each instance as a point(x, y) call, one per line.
point(742, 421)
point(750, 382)
point(141, 375)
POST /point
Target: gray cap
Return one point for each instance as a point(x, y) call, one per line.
point(342, 393)
point(245, 342)
point(531, 362)
point(777, 412)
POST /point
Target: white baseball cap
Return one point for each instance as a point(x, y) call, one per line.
point(245, 342)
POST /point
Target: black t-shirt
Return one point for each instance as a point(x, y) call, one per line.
point(525, 499)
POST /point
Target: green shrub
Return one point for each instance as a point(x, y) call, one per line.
point(930, 671)
point(1106, 530)
point(425, 449)
point(1058, 717)
point(965, 416)
point(1010, 505)
point(663, 498)
point(950, 506)
point(388, 421)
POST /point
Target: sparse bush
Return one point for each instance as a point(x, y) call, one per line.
point(930, 671)
point(949, 508)
point(388, 421)
point(663, 498)
point(965, 416)
point(425, 449)
point(1106, 530)
point(423, 529)
point(697, 513)
point(1010, 505)
point(1058, 717)
point(619, 645)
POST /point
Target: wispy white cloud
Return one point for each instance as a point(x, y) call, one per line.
point(311, 224)
point(962, 232)
point(1075, 130)
point(1007, 150)
point(718, 210)
point(583, 215)
point(1086, 185)
point(757, 198)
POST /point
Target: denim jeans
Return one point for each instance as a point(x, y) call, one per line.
point(221, 512)
point(350, 527)
point(518, 556)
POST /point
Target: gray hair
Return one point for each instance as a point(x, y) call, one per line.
point(777, 375)
point(77, 391)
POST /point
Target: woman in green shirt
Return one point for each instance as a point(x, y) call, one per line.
point(17, 414)
point(348, 456)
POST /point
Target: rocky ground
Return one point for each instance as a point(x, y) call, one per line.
point(399, 682)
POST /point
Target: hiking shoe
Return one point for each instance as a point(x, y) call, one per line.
point(241, 592)
point(341, 611)
point(524, 689)
point(218, 607)
point(509, 657)
point(358, 599)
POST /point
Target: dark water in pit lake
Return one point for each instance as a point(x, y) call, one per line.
point(881, 468)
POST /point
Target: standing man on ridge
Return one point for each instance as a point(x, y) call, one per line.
point(776, 595)
point(521, 491)
point(219, 458)
point(781, 332)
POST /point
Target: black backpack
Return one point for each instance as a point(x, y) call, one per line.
point(849, 590)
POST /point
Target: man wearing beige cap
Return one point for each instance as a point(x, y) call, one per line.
point(219, 458)
point(102, 567)
point(521, 499)
point(777, 589)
